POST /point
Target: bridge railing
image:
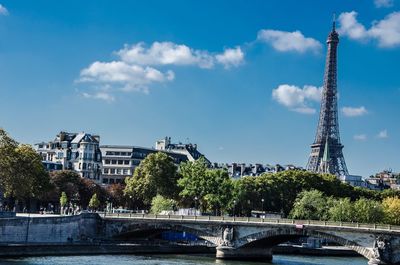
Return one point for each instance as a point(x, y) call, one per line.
point(201, 218)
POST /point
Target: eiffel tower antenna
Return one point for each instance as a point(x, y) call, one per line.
point(327, 136)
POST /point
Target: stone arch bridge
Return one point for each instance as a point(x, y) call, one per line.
point(233, 238)
point(253, 238)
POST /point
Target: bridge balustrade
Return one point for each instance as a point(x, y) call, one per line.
point(202, 218)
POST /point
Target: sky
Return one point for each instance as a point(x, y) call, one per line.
point(241, 80)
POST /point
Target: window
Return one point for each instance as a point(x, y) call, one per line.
point(114, 162)
point(111, 181)
point(112, 170)
point(126, 171)
point(107, 161)
point(60, 155)
point(106, 170)
point(84, 166)
point(79, 166)
point(126, 162)
point(120, 162)
point(119, 171)
point(89, 166)
point(105, 180)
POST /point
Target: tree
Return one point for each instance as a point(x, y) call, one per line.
point(159, 204)
point(212, 187)
point(311, 205)
point(94, 202)
point(22, 174)
point(115, 194)
point(155, 175)
point(342, 210)
point(63, 199)
point(391, 209)
point(368, 211)
point(193, 181)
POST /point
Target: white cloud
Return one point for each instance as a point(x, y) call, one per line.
point(360, 137)
point(100, 95)
point(230, 57)
point(284, 41)
point(354, 112)
point(296, 98)
point(3, 10)
point(383, 134)
point(383, 3)
point(136, 67)
point(165, 53)
point(385, 32)
point(125, 76)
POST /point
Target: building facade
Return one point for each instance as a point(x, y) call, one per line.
point(120, 162)
point(73, 151)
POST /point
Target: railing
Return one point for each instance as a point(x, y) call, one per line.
point(252, 220)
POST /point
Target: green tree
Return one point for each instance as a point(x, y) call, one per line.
point(311, 205)
point(218, 191)
point(63, 199)
point(368, 211)
point(94, 202)
point(159, 204)
point(212, 187)
point(391, 209)
point(342, 210)
point(22, 174)
point(156, 175)
point(193, 181)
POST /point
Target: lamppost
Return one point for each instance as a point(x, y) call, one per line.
point(195, 205)
point(262, 206)
point(234, 207)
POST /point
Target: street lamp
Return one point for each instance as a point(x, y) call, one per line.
point(195, 205)
point(234, 207)
point(262, 205)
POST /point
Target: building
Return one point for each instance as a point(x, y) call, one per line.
point(73, 151)
point(120, 161)
point(189, 150)
point(238, 170)
point(326, 152)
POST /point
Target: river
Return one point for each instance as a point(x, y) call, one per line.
point(176, 260)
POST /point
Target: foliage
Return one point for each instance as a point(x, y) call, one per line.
point(63, 199)
point(20, 164)
point(94, 202)
point(212, 188)
point(193, 180)
point(368, 211)
point(342, 210)
point(156, 175)
point(311, 205)
point(115, 194)
point(159, 204)
point(391, 208)
point(78, 190)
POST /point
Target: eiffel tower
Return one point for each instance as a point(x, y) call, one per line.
point(326, 151)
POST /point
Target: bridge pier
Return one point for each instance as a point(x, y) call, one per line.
point(244, 254)
point(376, 262)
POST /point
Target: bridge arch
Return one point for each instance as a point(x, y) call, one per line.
point(273, 237)
point(128, 229)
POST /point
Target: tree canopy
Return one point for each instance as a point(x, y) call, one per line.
point(155, 175)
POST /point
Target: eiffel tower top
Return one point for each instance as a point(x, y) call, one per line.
point(333, 35)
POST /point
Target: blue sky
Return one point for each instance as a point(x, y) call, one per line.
point(241, 80)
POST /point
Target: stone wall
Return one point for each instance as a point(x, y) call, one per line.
point(80, 228)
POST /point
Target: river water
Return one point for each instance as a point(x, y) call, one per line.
point(177, 260)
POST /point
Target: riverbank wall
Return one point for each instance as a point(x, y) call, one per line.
point(98, 249)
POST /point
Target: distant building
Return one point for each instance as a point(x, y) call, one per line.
point(238, 170)
point(189, 150)
point(385, 180)
point(73, 151)
point(120, 162)
point(355, 181)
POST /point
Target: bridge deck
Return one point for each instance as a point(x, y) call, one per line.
point(377, 228)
